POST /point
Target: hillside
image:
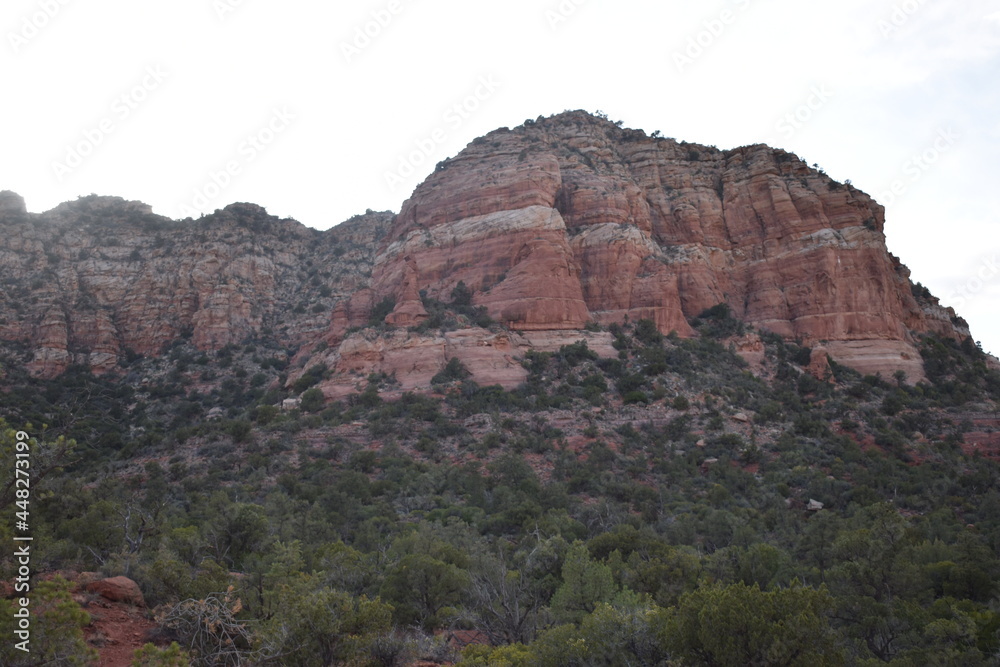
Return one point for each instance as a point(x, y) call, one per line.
point(592, 397)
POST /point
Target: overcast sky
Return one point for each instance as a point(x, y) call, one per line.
point(318, 111)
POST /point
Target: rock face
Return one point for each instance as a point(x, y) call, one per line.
point(557, 223)
point(98, 280)
point(572, 218)
point(414, 359)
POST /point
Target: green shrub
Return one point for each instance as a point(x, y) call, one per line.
point(635, 397)
point(312, 400)
point(381, 311)
point(310, 378)
point(453, 371)
point(576, 353)
point(646, 333)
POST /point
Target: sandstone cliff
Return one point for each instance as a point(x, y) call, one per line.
point(572, 218)
point(560, 222)
point(101, 279)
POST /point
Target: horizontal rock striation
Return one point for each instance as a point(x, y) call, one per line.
point(96, 281)
point(572, 218)
point(558, 223)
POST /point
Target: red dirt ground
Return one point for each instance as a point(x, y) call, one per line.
point(116, 630)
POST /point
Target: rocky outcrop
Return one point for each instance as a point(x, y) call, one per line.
point(572, 218)
point(100, 280)
point(819, 364)
point(412, 359)
point(560, 222)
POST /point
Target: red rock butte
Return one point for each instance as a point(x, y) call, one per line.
point(572, 218)
point(558, 223)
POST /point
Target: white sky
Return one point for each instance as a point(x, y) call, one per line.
point(888, 79)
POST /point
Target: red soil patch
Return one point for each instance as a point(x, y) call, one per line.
point(985, 444)
point(116, 630)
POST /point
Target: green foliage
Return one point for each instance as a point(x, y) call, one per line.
point(585, 583)
point(312, 400)
point(646, 333)
point(240, 429)
point(453, 371)
point(459, 313)
point(719, 322)
point(635, 397)
point(461, 295)
point(310, 378)
point(56, 628)
point(625, 632)
point(422, 589)
point(505, 603)
point(468, 510)
point(742, 625)
point(511, 655)
point(381, 310)
point(237, 530)
point(959, 371)
point(313, 625)
point(46, 458)
point(576, 353)
point(151, 656)
point(759, 564)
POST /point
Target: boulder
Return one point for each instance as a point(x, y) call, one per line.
point(117, 589)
